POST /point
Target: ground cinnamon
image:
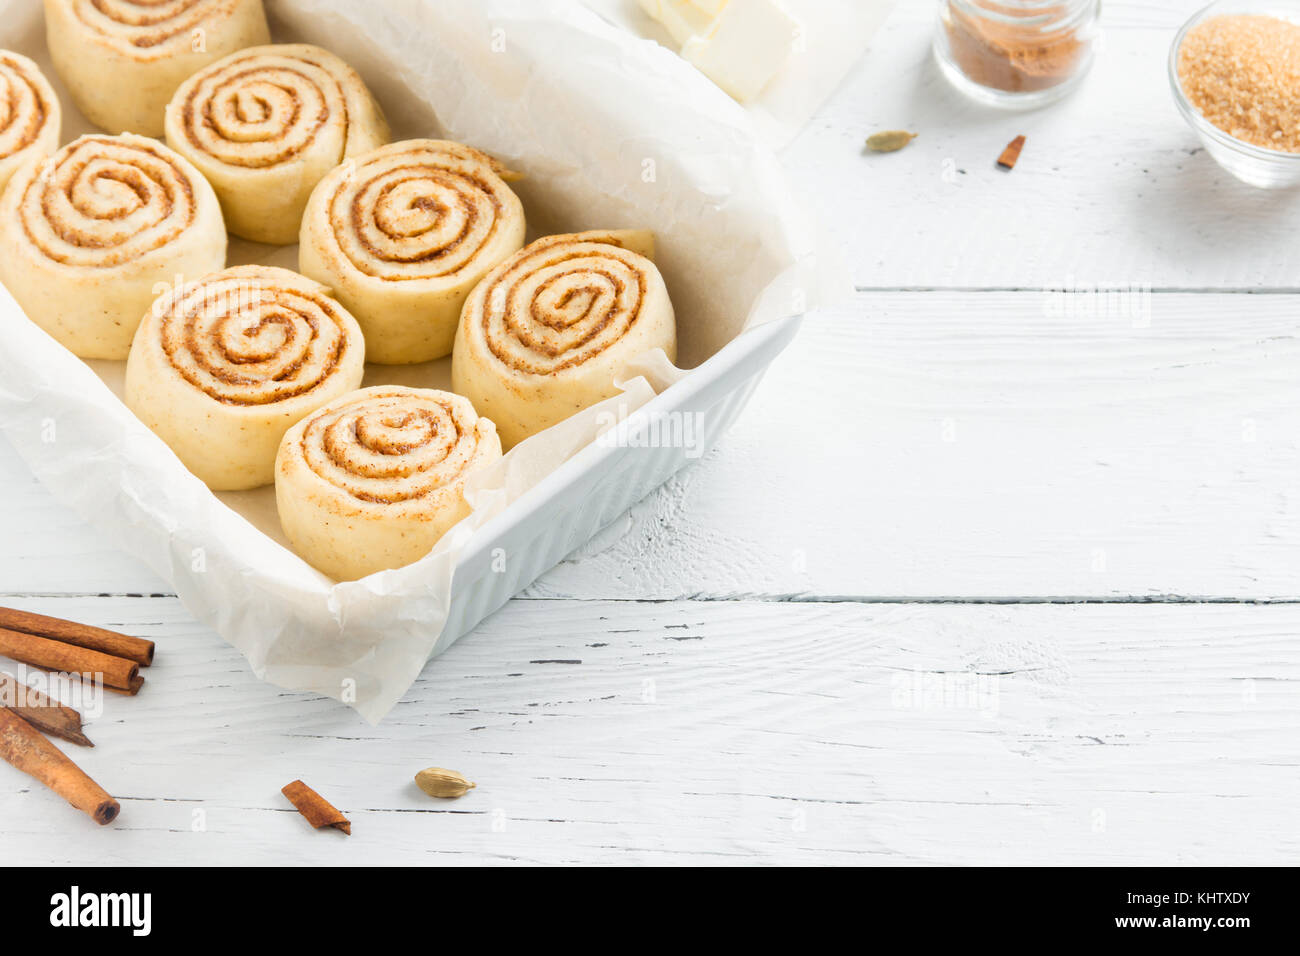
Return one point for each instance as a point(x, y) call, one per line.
point(1010, 56)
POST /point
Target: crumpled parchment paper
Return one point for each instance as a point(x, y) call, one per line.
point(833, 36)
point(611, 132)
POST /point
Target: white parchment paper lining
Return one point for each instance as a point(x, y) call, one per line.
point(611, 131)
point(833, 36)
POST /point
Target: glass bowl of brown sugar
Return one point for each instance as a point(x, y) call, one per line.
point(1235, 72)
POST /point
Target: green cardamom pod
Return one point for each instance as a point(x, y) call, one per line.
point(437, 782)
point(889, 141)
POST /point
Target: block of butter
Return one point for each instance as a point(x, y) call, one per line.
point(739, 44)
point(682, 19)
point(744, 47)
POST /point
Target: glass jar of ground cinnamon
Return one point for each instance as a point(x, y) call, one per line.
point(1016, 53)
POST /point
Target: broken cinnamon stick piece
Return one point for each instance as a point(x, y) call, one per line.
point(318, 811)
point(130, 690)
point(41, 711)
point(1011, 154)
point(22, 745)
point(116, 672)
point(83, 635)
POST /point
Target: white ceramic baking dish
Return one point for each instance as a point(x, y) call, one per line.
point(593, 488)
point(584, 110)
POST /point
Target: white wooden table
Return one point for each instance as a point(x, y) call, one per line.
point(1058, 624)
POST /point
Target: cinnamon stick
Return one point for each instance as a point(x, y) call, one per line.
point(1011, 155)
point(116, 672)
point(42, 712)
point(318, 811)
point(83, 635)
point(22, 745)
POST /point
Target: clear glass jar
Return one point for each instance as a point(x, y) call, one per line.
point(1257, 165)
point(1016, 53)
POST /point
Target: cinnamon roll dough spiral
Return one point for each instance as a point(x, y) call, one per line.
point(30, 119)
point(221, 368)
point(403, 234)
point(123, 59)
point(87, 234)
point(265, 125)
point(545, 333)
point(374, 479)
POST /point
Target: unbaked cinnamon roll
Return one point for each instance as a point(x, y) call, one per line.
point(265, 125)
point(373, 480)
point(123, 59)
point(402, 234)
point(221, 368)
point(545, 333)
point(87, 234)
point(30, 119)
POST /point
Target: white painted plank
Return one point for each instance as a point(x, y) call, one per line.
point(45, 547)
point(1111, 188)
point(980, 445)
point(1089, 456)
point(720, 733)
point(993, 445)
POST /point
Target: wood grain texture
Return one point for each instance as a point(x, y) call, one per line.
point(1113, 187)
point(998, 446)
point(722, 733)
point(710, 681)
point(978, 445)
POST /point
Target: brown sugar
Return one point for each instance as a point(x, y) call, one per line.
point(1242, 72)
point(1015, 57)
